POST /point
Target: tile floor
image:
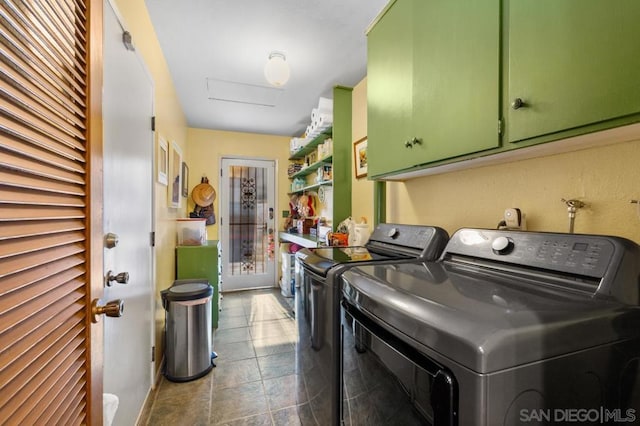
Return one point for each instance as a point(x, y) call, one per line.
point(256, 381)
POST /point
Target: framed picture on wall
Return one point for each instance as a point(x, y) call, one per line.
point(185, 180)
point(360, 157)
point(163, 161)
point(175, 176)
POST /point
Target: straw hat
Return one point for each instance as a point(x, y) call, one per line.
point(203, 194)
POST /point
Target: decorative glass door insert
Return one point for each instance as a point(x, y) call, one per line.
point(247, 230)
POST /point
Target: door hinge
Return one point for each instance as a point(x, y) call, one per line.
point(153, 123)
point(127, 40)
point(220, 221)
point(220, 172)
point(153, 239)
point(153, 354)
point(500, 125)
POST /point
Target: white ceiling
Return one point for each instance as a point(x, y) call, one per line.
point(224, 44)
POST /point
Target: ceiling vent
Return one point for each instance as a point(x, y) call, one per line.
point(242, 93)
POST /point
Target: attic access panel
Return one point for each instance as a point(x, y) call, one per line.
point(242, 93)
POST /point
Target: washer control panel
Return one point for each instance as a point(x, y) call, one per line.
point(582, 256)
point(588, 255)
point(410, 240)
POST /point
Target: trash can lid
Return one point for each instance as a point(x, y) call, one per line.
point(190, 291)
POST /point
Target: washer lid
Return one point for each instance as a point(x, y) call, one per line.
point(320, 260)
point(189, 291)
point(485, 322)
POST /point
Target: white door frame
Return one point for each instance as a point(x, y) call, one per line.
point(223, 201)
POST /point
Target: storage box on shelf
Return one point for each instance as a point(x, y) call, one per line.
point(191, 232)
point(304, 226)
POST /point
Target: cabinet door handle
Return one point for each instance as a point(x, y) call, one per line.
point(412, 142)
point(518, 103)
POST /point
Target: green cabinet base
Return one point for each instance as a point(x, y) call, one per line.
point(201, 262)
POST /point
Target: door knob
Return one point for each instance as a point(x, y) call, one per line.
point(122, 278)
point(518, 103)
point(113, 308)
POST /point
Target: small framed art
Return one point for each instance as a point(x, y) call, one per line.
point(360, 157)
point(163, 161)
point(185, 180)
point(175, 176)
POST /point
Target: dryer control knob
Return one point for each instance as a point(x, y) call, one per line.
point(502, 245)
point(392, 233)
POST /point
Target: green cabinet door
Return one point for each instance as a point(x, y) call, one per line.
point(572, 63)
point(456, 78)
point(389, 89)
point(433, 82)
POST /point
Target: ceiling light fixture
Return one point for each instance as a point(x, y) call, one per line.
point(276, 70)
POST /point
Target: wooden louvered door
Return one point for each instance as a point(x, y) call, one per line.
point(50, 203)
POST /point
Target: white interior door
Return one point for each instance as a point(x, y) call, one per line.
point(247, 207)
point(128, 213)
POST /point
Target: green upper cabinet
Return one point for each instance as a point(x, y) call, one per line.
point(433, 82)
point(571, 63)
point(456, 77)
point(390, 89)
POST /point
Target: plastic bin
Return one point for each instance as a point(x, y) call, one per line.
point(187, 305)
point(287, 282)
point(191, 232)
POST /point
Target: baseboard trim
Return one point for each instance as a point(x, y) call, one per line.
point(143, 416)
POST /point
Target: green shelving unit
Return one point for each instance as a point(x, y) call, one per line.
point(313, 167)
point(311, 146)
point(341, 159)
point(311, 187)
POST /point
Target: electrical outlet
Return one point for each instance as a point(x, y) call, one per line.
point(514, 219)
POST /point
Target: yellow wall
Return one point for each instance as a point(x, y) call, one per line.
point(207, 147)
point(361, 189)
point(170, 125)
point(605, 178)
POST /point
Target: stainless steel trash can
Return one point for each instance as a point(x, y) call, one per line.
point(187, 307)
